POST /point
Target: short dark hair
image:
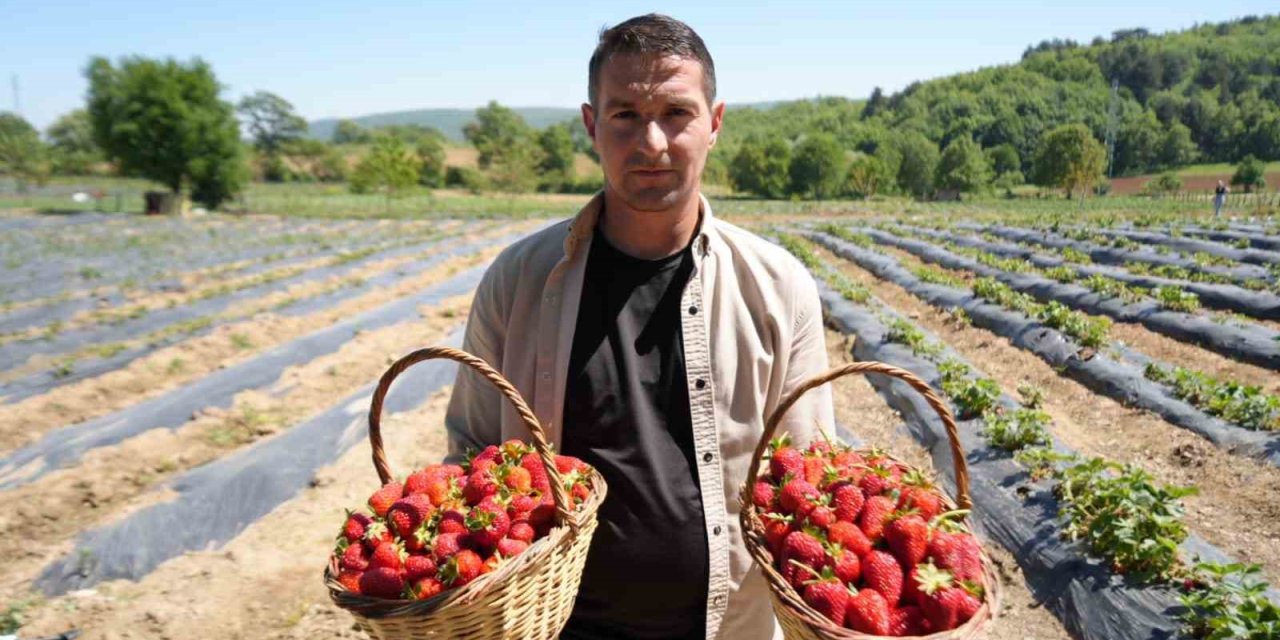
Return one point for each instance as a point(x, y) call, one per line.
point(652, 34)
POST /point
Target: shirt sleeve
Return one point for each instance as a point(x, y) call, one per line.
point(473, 418)
point(807, 358)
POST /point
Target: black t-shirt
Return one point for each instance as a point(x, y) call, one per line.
point(627, 414)
point(1219, 190)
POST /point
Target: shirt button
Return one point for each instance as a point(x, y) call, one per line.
point(693, 311)
point(706, 457)
point(716, 530)
point(700, 383)
point(546, 375)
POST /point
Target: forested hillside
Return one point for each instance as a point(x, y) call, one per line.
point(1207, 94)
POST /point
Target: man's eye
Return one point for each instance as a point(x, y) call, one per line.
point(624, 115)
point(679, 111)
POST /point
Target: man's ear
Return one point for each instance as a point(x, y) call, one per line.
point(717, 121)
point(589, 121)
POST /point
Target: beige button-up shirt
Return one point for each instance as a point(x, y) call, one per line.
point(752, 331)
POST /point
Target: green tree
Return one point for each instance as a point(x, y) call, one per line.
point(1004, 158)
point(271, 120)
point(762, 167)
point(495, 129)
point(919, 162)
point(818, 166)
point(1249, 174)
point(963, 166)
point(349, 132)
point(556, 168)
point(1176, 147)
point(71, 147)
point(431, 157)
point(389, 168)
point(1070, 158)
point(868, 175)
point(163, 120)
point(22, 155)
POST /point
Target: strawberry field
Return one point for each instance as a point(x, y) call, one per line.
point(184, 406)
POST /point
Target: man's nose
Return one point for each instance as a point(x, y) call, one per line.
point(653, 140)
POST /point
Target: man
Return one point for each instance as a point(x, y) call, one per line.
point(651, 339)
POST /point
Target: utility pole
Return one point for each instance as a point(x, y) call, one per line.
point(1113, 114)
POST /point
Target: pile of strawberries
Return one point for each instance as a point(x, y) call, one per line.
point(448, 524)
point(864, 540)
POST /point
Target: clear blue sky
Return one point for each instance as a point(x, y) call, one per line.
point(346, 58)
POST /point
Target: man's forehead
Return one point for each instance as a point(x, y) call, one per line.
point(632, 77)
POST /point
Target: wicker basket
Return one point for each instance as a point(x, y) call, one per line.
point(529, 596)
point(798, 620)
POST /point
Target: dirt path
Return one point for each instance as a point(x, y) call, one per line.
point(861, 410)
point(1237, 508)
point(25, 421)
point(1156, 345)
point(113, 481)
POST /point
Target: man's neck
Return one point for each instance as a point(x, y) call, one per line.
point(649, 235)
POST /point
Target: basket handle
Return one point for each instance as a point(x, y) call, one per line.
point(504, 386)
point(938, 405)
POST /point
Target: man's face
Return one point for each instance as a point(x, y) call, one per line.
point(652, 128)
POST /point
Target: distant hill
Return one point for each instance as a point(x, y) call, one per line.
point(451, 121)
point(448, 121)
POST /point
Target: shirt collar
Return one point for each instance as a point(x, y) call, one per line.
point(584, 224)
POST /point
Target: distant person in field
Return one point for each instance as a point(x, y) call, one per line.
point(651, 339)
point(1219, 197)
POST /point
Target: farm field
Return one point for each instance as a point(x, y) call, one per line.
point(184, 399)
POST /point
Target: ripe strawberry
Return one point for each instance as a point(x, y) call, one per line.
point(421, 539)
point(568, 464)
point(462, 568)
point(847, 459)
point(829, 598)
point(814, 469)
point(417, 567)
point(487, 524)
point(908, 538)
point(957, 553)
point(377, 533)
point(868, 612)
point(520, 506)
point(763, 495)
point(776, 529)
point(521, 531)
point(797, 497)
point(452, 521)
point(848, 499)
point(355, 558)
point(850, 537)
point(408, 513)
point(908, 621)
point(786, 463)
point(876, 481)
point(801, 548)
point(821, 448)
point(881, 571)
point(441, 490)
point(428, 587)
point(382, 583)
point(821, 516)
point(919, 493)
point(417, 482)
point(846, 566)
point(356, 524)
point(489, 454)
point(517, 479)
point(537, 472)
point(911, 587)
point(388, 555)
point(480, 484)
point(350, 580)
point(446, 546)
point(946, 606)
point(543, 515)
point(509, 547)
point(383, 498)
point(874, 513)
